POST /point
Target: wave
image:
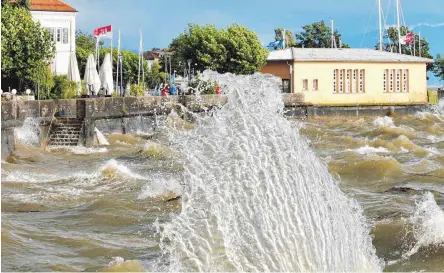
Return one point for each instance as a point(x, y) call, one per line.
point(428, 224)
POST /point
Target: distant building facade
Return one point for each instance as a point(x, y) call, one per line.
point(152, 56)
point(341, 77)
point(60, 19)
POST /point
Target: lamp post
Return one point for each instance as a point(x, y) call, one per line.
point(189, 69)
point(13, 92)
point(28, 91)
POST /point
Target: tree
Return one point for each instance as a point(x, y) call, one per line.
point(438, 67)
point(26, 47)
point(393, 44)
point(235, 49)
point(155, 76)
point(318, 35)
point(289, 38)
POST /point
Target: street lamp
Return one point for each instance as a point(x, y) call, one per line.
point(14, 91)
point(189, 69)
point(28, 91)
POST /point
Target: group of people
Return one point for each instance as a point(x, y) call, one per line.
point(166, 90)
point(172, 90)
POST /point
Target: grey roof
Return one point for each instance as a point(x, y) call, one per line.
point(342, 55)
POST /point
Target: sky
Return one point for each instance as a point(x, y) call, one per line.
point(162, 21)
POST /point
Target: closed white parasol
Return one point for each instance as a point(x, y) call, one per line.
point(106, 75)
point(73, 72)
point(92, 79)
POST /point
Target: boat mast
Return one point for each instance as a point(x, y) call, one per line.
point(399, 26)
point(380, 25)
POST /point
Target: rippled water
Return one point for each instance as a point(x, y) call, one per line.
point(114, 207)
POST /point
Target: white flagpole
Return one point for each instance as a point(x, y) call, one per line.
point(399, 27)
point(332, 34)
point(419, 34)
point(118, 58)
point(112, 62)
point(414, 44)
point(140, 41)
point(380, 25)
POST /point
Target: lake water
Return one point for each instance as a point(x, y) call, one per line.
point(258, 193)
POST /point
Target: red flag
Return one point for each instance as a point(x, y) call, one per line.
point(103, 31)
point(407, 39)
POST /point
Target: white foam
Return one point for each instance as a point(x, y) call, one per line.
point(114, 164)
point(160, 186)
point(383, 122)
point(100, 137)
point(29, 132)
point(256, 197)
point(428, 223)
point(369, 150)
point(80, 150)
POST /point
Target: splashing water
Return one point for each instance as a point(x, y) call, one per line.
point(101, 139)
point(29, 133)
point(428, 222)
point(383, 122)
point(256, 198)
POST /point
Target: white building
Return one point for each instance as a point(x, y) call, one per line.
point(60, 19)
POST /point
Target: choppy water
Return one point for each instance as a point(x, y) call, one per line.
point(259, 192)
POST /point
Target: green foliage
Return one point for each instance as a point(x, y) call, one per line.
point(289, 38)
point(63, 88)
point(137, 90)
point(43, 80)
point(317, 35)
point(235, 50)
point(438, 67)
point(26, 47)
point(204, 87)
point(393, 44)
point(155, 76)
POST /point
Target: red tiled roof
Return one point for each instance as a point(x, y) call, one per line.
point(51, 5)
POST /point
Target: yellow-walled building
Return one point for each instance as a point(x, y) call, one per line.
point(342, 77)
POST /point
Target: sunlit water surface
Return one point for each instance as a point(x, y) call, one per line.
point(259, 192)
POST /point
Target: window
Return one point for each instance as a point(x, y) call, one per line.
point(391, 80)
point(59, 35)
point(341, 81)
point(304, 85)
point(335, 72)
point(405, 84)
point(385, 81)
point(51, 33)
point(286, 86)
point(65, 36)
point(398, 80)
point(362, 81)
point(355, 82)
point(347, 88)
point(315, 85)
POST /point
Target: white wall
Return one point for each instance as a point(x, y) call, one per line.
point(51, 19)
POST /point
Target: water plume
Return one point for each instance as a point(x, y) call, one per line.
point(256, 197)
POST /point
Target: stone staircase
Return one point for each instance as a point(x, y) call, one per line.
point(65, 132)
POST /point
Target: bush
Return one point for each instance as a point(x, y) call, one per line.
point(63, 88)
point(44, 80)
point(205, 87)
point(137, 90)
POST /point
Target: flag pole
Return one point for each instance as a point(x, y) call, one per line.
point(117, 65)
point(380, 25)
point(419, 34)
point(399, 27)
point(112, 61)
